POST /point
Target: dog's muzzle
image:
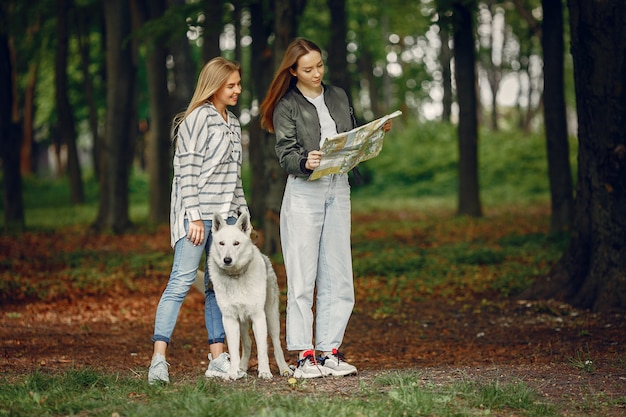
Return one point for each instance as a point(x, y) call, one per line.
point(228, 260)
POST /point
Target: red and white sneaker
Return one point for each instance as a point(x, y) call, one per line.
point(309, 368)
point(336, 364)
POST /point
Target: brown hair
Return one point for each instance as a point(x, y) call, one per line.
point(283, 79)
point(211, 78)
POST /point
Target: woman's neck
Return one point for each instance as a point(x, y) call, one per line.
point(309, 92)
point(222, 111)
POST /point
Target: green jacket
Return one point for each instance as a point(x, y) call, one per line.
point(297, 126)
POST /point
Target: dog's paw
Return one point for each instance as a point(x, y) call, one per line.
point(237, 375)
point(265, 375)
point(286, 372)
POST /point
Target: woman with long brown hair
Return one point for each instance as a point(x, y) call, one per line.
point(315, 215)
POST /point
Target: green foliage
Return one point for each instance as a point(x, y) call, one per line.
point(86, 392)
point(419, 163)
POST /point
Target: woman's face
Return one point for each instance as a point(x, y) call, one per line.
point(228, 94)
point(310, 70)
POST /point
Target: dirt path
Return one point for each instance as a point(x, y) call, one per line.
point(545, 345)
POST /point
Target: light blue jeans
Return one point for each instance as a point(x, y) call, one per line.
point(315, 238)
point(187, 258)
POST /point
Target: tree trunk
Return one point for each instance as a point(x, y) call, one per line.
point(10, 138)
point(67, 128)
point(82, 20)
point(592, 271)
point(366, 63)
point(555, 117)
point(212, 29)
point(237, 13)
point(158, 137)
point(493, 69)
point(337, 49)
point(118, 142)
point(27, 160)
point(465, 73)
point(261, 74)
point(445, 57)
point(286, 13)
point(28, 137)
point(184, 71)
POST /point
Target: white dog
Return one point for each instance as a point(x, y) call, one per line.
point(246, 289)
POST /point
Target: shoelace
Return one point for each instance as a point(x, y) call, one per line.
point(222, 363)
point(311, 359)
point(340, 357)
point(161, 362)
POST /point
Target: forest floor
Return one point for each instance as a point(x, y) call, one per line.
point(572, 358)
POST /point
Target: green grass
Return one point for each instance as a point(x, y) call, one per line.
point(91, 393)
point(47, 202)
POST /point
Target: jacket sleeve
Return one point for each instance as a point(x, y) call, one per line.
point(291, 154)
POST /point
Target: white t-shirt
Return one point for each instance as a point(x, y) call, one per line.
point(327, 124)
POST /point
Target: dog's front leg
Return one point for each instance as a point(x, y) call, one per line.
point(246, 345)
point(231, 327)
point(259, 326)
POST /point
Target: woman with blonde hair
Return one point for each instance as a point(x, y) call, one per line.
point(207, 180)
point(315, 215)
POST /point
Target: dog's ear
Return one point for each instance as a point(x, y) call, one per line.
point(243, 222)
point(218, 222)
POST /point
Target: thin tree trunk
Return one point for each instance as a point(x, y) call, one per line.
point(80, 22)
point(27, 159)
point(285, 14)
point(184, 71)
point(561, 188)
point(445, 57)
point(212, 29)
point(261, 73)
point(67, 128)
point(28, 138)
point(159, 166)
point(465, 72)
point(366, 63)
point(493, 69)
point(119, 142)
point(10, 138)
point(337, 49)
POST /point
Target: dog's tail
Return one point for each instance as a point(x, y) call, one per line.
point(198, 283)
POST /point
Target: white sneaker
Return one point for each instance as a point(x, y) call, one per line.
point(158, 370)
point(309, 368)
point(337, 365)
point(220, 366)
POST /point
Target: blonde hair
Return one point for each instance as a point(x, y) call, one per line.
point(212, 77)
point(284, 79)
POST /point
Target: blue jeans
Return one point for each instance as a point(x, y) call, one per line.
point(315, 237)
point(187, 258)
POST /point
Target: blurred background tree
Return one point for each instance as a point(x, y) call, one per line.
point(90, 88)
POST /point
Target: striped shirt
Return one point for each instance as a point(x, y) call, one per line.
point(207, 169)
